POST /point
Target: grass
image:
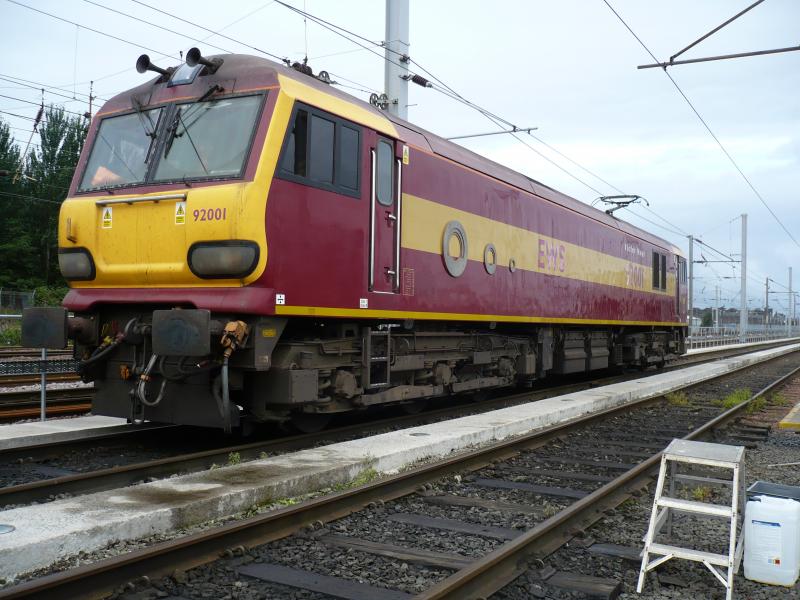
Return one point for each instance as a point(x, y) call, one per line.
point(234, 458)
point(734, 398)
point(364, 477)
point(11, 335)
point(678, 399)
point(778, 399)
point(701, 494)
point(756, 405)
point(286, 501)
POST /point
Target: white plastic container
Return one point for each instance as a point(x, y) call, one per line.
point(772, 540)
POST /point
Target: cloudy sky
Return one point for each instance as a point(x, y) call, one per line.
point(567, 67)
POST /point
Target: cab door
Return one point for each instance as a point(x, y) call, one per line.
point(385, 213)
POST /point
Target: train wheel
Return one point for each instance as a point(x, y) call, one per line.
point(310, 422)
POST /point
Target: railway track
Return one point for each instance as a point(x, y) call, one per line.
point(127, 474)
point(48, 483)
point(118, 476)
point(33, 353)
point(579, 468)
point(27, 379)
point(25, 404)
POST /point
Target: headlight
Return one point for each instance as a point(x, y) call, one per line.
point(224, 259)
point(75, 263)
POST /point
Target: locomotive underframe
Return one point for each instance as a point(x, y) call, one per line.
point(291, 369)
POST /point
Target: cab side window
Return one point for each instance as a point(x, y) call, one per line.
point(321, 159)
point(323, 151)
point(656, 271)
point(659, 271)
point(384, 180)
point(294, 150)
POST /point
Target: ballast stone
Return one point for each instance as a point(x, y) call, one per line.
point(46, 533)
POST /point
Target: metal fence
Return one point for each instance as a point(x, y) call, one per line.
point(13, 301)
point(709, 337)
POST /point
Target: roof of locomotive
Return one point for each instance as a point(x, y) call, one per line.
point(240, 72)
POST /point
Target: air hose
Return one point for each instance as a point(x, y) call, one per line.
point(144, 378)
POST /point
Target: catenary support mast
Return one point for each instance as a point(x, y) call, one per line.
point(743, 311)
point(396, 71)
point(791, 303)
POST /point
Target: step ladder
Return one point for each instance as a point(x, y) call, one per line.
point(383, 337)
point(683, 452)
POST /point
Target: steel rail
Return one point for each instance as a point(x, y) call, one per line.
point(103, 479)
point(501, 566)
point(29, 379)
point(98, 579)
point(52, 409)
point(108, 478)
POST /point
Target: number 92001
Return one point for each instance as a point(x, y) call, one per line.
point(210, 214)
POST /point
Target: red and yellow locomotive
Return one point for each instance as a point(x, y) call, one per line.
point(244, 242)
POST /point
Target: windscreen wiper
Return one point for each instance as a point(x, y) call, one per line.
point(137, 106)
point(172, 132)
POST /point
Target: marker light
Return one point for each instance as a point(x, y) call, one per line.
point(76, 264)
point(224, 259)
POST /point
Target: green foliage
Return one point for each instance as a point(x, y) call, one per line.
point(50, 295)
point(678, 399)
point(234, 458)
point(756, 405)
point(10, 334)
point(701, 494)
point(735, 398)
point(778, 399)
point(286, 501)
point(707, 321)
point(363, 478)
point(32, 188)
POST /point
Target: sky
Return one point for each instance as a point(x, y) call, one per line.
point(567, 67)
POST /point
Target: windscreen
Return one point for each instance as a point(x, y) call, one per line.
point(208, 139)
point(121, 150)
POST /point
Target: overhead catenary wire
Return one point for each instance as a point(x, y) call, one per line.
point(708, 128)
point(344, 32)
point(643, 218)
point(163, 12)
point(20, 116)
point(156, 25)
point(28, 197)
point(71, 112)
point(447, 92)
point(28, 83)
point(240, 19)
point(454, 95)
point(97, 31)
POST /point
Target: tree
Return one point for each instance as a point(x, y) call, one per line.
point(9, 205)
point(28, 244)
